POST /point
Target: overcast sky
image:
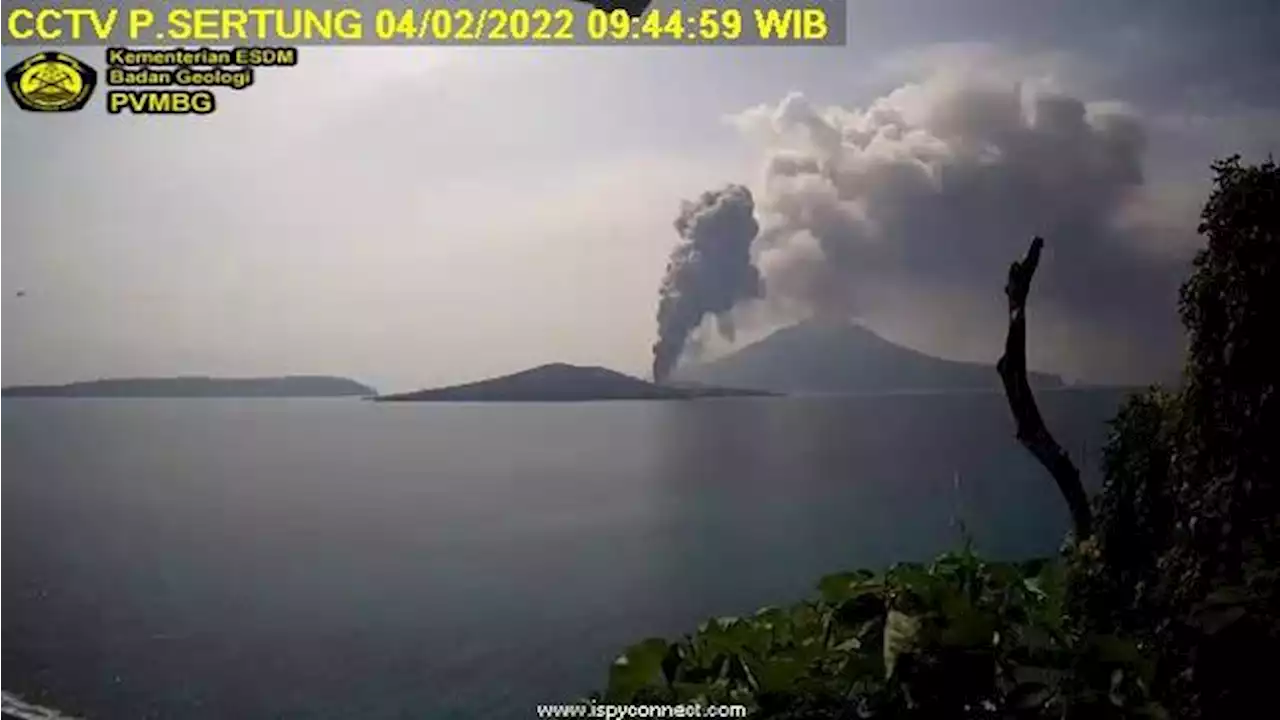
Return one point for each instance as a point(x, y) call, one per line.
point(411, 217)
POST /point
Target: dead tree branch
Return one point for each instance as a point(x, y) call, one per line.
point(1031, 429)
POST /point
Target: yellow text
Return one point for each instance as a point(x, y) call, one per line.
point(62, 24)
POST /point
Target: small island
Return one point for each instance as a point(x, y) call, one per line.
point(559, 382)
point(292, 386)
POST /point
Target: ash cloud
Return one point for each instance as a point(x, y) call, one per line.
point(709, 272)
point(936, 187)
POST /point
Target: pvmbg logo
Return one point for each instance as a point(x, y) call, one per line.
point(51, 82)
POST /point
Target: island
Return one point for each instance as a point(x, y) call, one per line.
point(844, 358)
point(292, 386)
point(560, 382)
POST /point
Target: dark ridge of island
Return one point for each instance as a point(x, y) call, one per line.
point(292, 386)
point(559, 382)
point(831, 358)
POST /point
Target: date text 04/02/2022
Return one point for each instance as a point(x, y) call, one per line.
point(806, 22)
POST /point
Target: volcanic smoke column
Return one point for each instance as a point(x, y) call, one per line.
point(710, 271)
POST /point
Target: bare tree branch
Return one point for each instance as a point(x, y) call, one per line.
point(1032, 432)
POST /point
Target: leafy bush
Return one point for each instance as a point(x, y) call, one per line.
point(1226, 478)
point(1189, 513)
point(1134, 516)
point(959, 637)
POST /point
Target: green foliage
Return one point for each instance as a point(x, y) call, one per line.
point(1229, 303)
point(1189, 513)
point(1115, 585)
point(1231, 307)
point(1226, 493)
point(959, 637)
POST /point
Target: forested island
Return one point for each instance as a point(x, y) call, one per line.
point(560, 382)
point(199, 387)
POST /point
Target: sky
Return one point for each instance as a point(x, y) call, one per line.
point(419, 216)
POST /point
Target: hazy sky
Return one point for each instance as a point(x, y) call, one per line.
point(418, 216)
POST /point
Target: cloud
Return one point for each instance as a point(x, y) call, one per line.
point(923, 197)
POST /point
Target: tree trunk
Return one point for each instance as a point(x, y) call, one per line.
point(1031, 429)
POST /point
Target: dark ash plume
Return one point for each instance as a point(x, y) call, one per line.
point(709, 273)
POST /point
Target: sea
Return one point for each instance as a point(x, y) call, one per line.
point(333, 558)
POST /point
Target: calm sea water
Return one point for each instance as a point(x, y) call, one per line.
point(340, 559)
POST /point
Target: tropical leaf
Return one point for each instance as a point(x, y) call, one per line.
point(637, 668)
point(900, 634)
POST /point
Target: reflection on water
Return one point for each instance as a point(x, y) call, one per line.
point(321, 558)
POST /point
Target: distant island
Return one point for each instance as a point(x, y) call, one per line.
point(199, 387)
point(820, 358)
point(559, 382)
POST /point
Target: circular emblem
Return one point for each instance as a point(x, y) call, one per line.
point(51, 82)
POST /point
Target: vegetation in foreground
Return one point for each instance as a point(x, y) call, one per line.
point(959, 637)
point(1163, 602)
